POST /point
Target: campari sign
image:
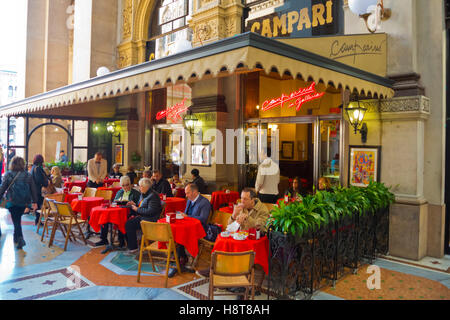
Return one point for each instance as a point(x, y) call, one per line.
point(173, 113)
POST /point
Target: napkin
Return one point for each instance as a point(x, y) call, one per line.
point(233, 227)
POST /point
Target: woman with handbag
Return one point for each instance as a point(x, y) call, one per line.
point(20, 193)
point(41, 180)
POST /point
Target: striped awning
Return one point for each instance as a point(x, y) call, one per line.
point(243, 53)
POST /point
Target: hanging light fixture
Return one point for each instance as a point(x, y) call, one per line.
point(355, 113)
point(190, 121)
point(112, 129)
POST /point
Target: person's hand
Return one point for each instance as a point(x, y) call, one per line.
point(34, 206)
point(184, 214)
point(131, 203)
point(27, 210)
point(134, 208)
point(241, 218)
point(237, 211)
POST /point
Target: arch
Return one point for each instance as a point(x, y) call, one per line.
point(142, 20)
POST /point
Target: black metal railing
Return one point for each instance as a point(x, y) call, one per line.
point(299, 266)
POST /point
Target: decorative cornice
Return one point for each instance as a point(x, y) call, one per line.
point(406, 104)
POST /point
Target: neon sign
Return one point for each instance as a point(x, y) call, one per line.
point(301, 96)
point(173, 113)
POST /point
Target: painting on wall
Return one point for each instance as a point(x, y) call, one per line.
point(118, 153)
point(201, 155)
point(287, 149)
point(364, 165)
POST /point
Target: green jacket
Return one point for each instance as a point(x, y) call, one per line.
point(134, 195)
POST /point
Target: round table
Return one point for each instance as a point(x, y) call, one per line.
point(186, 232)
point(70, 196)
point(175, 204)
point(226, 210)
point(81, 184)
point(113, 189)
point(260, 247)
point(101, 216)
point(220, 197)
point(85, 205)
point(110, 181)
point(179, 192)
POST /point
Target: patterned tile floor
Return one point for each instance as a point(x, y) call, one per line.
point(83, 273)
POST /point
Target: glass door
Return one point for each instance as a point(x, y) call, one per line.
point(330, 154)
point(168, 150)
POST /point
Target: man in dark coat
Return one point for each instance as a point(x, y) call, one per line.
point(161, 185)
point(198, 181)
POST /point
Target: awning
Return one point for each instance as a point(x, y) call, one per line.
point(242, 53)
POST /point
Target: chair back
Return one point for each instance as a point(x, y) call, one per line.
point(116, 184)
point(105, 194)
point(75, 189)
point(163, 210)
point(56, 196)
point(154, 231)
point(232, 263)
point(64, 209)
point(207, 196)
point(52, 205)
point(220, 217)
point(89, 192)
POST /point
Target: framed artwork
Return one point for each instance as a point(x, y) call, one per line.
point(287, 149)
point(118, 153)
point(201, 155)
point(364, 162)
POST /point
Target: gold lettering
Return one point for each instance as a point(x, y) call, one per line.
point(279, 22)
point(329, 5)
point(266, 30)
point(292, 18)
point(317, 14)
point(304, 19)
point(255, 27)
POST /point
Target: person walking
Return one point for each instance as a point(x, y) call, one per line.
point(40, 180)
point(97, 171)
point(20, 194)
point(267, 180)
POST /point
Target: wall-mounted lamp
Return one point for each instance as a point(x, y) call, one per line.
point(355, 113)
point(190, 121)
point(372, 11)
point(111, 128)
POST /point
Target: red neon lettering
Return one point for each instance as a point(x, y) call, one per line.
point(173, 113)
point(301, 96)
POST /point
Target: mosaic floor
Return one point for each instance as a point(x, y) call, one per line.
point(84, 273)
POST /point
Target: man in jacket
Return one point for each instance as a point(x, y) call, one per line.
point(267, 180)
point(251, 212)
point(148, 209)
point(161, 185)
point(197, 207)
point(198, 181)
point(97, 171)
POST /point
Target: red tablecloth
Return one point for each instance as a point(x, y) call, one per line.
point(226, 210)
point(113, 189)
point(85, 206)
point(186, 232)
point(70, 196)
point(179, 192)
point(109, 181)
point(220, 197)
point(100, 216)
point(175, 204)
point(261, 248)
point(81, 184)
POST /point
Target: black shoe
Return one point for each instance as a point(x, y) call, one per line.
point(203, 273)
point(101, 243)
point(172, 272)
point(20, 243)
point(236, 290)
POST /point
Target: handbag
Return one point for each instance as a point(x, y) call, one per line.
point(3, 201)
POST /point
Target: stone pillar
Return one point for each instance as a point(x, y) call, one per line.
point(215, 20)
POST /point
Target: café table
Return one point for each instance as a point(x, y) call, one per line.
point(186, 232)
point(260, 247)
point(85, 205)
point(113, 189)
point(174, 204)
point(179, 192)
point(70, 184)
point(110, 181)
point(226, 210)
point(114, 216)
point(220, 197)
point(68, 197)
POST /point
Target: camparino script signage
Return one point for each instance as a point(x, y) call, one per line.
point(299, 18)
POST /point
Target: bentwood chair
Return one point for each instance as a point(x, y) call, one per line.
point(230, 270)
point(68, 218)
point(89, 192)
point(163, 210)
point(152, 231)
point(46, 213)
point(207, 196)
point(105, 194)
point(115, 184)
point(75, 189)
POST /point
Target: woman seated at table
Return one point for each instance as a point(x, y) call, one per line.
point(127, 193)
point(56, 177)
point(175, 182)
point(296, 189)
point(115, 173)
point(149, 209)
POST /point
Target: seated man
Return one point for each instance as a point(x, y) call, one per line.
point(251, 212)
point(160, 185)
point(198, 181)
point(115, 172)
point(149, 209)
point(197, 207)
point(124, 194)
